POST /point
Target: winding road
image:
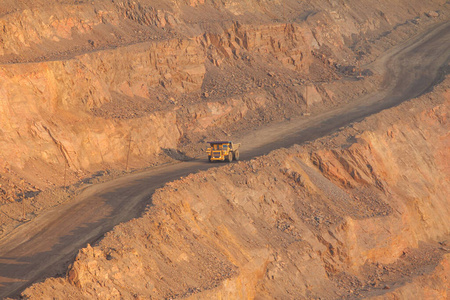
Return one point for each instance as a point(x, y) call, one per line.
point(46, 245)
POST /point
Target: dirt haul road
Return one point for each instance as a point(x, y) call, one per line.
point(46, 245)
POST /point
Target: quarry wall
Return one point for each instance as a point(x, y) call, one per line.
point(360, 213)
point(79, 80)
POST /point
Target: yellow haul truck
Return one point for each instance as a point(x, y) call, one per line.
point(223, 150)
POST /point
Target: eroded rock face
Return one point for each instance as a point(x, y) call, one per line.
point(357, 214)
point(79, 78)
point(89, 86)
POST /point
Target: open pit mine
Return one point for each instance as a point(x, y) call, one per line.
point(341, 111)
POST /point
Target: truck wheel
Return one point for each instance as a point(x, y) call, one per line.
point(230, 157)
point(209, 158)
point(236, 155)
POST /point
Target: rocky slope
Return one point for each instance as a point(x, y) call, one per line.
point(93, 86)
point(363, 213)
point(115, 85)
point(80, 79)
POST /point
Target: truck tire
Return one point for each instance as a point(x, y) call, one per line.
point(209, 158)
point(230, 157)
point(236, 155)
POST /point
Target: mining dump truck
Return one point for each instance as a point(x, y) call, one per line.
point(223, 150)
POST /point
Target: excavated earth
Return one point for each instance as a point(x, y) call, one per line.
point(360, 214)
point(90, 91)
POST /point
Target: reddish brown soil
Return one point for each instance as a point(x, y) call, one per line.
point(346, 216)
point(95, 86)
